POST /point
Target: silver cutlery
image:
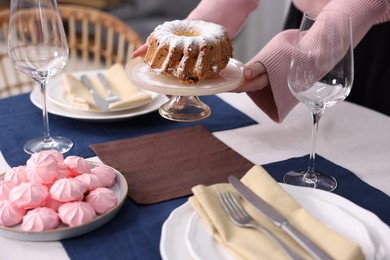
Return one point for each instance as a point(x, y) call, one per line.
point(111, 97)
point(278, 219)
point(240, 217)
point(100, 102)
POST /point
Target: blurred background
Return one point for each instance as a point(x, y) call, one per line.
point(145, 15)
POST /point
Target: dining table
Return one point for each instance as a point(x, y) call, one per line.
point(353, 142)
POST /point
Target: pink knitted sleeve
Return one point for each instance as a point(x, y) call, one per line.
point(277, 101)
point(231, 14)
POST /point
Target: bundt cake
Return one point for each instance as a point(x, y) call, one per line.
point(188, 50)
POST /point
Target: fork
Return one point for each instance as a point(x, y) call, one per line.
point(111, 97)
point(240, 217)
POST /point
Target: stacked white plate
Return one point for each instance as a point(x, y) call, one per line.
point(57, 103)
point(185, 236)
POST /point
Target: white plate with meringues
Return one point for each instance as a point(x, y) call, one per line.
point(63, 231)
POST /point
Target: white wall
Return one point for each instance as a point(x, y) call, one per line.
point(262, 25)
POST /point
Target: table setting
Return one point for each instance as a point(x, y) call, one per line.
point(185, 212)
point(227, 184)
point(135, 215)
point(174, 217)
point(69, 97)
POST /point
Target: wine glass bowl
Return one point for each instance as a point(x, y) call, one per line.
point(37, 46)
point(321, 75)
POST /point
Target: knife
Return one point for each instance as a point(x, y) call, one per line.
point(280, 221)
point(100, 102)
point(111, 97)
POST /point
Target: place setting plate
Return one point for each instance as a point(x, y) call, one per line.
point(185, 236)
point(55, 109)
point(57, 95)
point(63, 231)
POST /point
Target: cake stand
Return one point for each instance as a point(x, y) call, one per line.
point(184, 104)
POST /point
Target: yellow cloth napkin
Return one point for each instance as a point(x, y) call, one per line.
point(248, 243)
point(130, 96)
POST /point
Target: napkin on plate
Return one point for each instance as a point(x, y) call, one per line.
point(130, 96)
point(167, 165)
point(247, 243)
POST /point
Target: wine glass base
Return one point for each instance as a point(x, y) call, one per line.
point(321, 181)
point(184, 109)
point(59, 143)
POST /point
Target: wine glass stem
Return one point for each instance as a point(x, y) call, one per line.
point(311, 171)
point(45, 116)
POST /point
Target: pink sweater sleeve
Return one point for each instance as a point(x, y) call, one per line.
point(232, 14)
point(277, 101)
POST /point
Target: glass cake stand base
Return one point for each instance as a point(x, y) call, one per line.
point(184, 104)
point(185, 109)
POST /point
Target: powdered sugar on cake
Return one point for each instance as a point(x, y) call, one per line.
point(188, 50)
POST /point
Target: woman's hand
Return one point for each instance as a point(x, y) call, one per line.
point(256, 78)
point(141, 51)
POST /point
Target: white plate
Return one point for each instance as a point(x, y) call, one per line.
point(200, 242)
point(35, 98)
point(228, 79)
point(63, 231)
point(57, 95)
point(172, 244)
point(342, 215)
point(354, 222)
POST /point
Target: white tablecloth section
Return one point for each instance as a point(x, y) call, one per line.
point(351, 136)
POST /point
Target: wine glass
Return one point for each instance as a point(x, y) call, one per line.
point(321, 75)
point(37, 46)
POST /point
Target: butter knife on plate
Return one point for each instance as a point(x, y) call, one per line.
point(100, 102)
point(279, 220)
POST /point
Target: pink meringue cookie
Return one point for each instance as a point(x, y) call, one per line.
point(90, 181)
point(42, 168)
point(77, 165)
point(10, 214)
point(62, 171)
point(29, 195)
point(102, 200)
point(5, 188)
point(76, 213)
point(57, 155)
point(40, 219)
point(67, 189)
point(52, 203)
point(106, 175)
point(16, 175)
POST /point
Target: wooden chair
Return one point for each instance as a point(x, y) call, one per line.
point(12, 82)
point(96, 40)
